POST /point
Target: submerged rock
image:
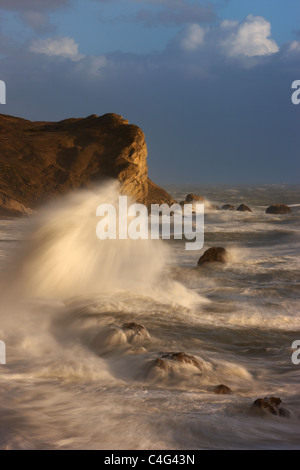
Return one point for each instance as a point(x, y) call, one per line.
point(227, 207)
point(222, 390)
point(243, 208)
point(215, 254)
point(271, 405)
point(278, 209)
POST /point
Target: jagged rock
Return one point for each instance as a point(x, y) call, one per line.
point(278, 209)
point(227, 207)
point(222, 390)
point(243, 208)
point(43, 160)
point(215, 254)
point(271, 405)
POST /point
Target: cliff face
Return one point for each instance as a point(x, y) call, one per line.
point(42, 160)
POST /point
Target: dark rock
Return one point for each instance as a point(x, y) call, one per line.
point(43, 160)
point(271, 405)
point(222, 390)
point(227, 207)
point(181, 357)
point(278, 209)
point(133, 326)
point(244, 208)
point(215, 254)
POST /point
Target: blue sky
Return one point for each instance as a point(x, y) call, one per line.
point(208, 82)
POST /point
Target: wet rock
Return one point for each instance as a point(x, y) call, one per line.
point(194, 198)
point(222, 390)
point(134, 330)
point(181, 357)
point(161, 364)
point(215, 254)
point(227, 207)
point(271, 405)
point(278, 209)
point(243, 208)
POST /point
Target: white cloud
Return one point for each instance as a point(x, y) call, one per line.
point(228, 23)
point(65, 47)
point(192, 37)
point(249, 38)
point(294, 47)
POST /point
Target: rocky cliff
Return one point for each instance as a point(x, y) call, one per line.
point(42, 160)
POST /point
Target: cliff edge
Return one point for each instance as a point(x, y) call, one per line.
point(43, 160)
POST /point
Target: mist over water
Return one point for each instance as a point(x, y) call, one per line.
point(77, 378)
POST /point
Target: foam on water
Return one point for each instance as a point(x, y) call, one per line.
point(75, 378)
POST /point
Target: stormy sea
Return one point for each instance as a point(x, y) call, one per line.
point(120, 344)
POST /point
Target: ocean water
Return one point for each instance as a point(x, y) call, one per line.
point(75, 379)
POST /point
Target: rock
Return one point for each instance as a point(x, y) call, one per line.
point(215, 254)
point(271, 405)
point(181, 357)
point(222, 390)
point(243, 208)
point(194, 198)
point(227, 207)
point(157, 195)
point(278, 209)
point(135, 331)
point(43, 160)
point(161, 364)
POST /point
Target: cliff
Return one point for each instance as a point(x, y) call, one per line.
point(42, 160)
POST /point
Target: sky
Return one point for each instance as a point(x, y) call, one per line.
point(209, 82)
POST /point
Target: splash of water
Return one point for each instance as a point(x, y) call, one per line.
point(64, 257)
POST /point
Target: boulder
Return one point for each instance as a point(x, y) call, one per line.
point(135, 330)
point(194, 198)
point(227, 207)
point(181, 357)
point(278, 209)
point(43, 160)
point(244, 208)
point(215, 254)
point(270, 405)
point(222, 390)
point(160, 364)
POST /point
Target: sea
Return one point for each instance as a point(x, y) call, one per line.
point(80, 373)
